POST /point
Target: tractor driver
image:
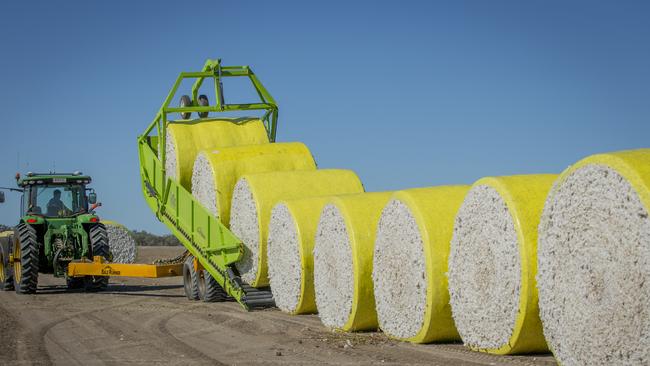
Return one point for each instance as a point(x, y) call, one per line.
point(55, 206)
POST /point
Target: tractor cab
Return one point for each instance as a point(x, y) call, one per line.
point(56, 195)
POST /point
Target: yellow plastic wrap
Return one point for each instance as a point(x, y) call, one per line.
point(305, 213)
point(186, 139)
point(525, 196)
point(633, 165)
point(269, 188)
point(229, 164)
point(434, 210)
point(361, 213)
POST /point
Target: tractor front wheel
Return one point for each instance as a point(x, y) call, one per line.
point(26, 260)
point(99, 247)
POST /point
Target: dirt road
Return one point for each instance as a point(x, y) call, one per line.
point(141, 321)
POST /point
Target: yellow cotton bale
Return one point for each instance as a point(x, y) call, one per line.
point(254, 197)
point(290, 253)
point(343, 254)
point(493, 262)
point(216, 171)
point(410, 264)
point(184, 140)
point(594, 261)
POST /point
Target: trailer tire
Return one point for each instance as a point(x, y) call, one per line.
point(185, 102)
point(203, 102)
point(26, 257)
point(209, 289)
point(99, 247)
point(74, 283)
point(6, 270)
point(190, 279)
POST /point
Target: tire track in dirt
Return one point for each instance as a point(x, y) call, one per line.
point(158, 327)
point(44, 330)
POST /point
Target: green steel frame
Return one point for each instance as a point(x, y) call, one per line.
point(204, 236)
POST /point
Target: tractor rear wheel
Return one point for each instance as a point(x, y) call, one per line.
point(190, 279)
point(26, 251)
point(99, 247)
point(209, 289)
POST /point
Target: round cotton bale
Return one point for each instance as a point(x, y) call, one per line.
point(343, 251)
point(594, 261)
point(492, 265)
point(290, 253)
point(120, 242)
point(216, 172)
point(410, 264)
point(184, 140)
point(255, 195)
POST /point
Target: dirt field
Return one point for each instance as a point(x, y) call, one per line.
point(150, 322)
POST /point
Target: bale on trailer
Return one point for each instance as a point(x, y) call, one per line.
point(121, 244)
point(184, 140)
point(410, 264)
point(255, 195)
point(343, 251)
point(492, 265)
point(216, 171)
point(292, 229)
point(594, 261)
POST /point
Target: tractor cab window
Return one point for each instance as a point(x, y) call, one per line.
point(57, 200)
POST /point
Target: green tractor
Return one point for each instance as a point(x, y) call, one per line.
point(57, 226)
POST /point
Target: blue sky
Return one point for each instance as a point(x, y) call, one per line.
point(407, 94)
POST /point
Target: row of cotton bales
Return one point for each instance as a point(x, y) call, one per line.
point(442, 263)
point(461, 263)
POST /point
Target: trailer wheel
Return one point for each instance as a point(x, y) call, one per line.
point(6, 271)
point(185, 102)
point(26, 260)
point(74, 283)
point(99, 247)
point(6, 281)
point(209, 289)
point(203, 102)
point(190, 279)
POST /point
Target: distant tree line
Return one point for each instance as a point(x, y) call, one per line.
point(142, 238)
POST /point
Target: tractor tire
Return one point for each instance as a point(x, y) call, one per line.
point(203, 102)
point(26, 256)
point(99, 247)
point(209, 289)
point(190, 279)
point(185, 102)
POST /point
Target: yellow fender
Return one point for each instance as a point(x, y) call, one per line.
point(229, 164)
point(434, 210)
point(525, 196)
point(189, 138)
